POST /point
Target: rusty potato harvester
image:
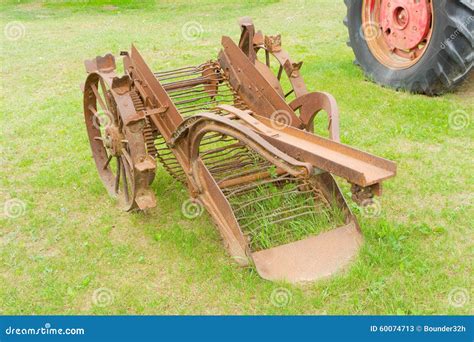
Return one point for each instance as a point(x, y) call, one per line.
point(229, 132)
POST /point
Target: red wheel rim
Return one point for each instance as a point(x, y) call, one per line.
point(397, 32)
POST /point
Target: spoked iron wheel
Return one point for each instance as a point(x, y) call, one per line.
point(109, 141)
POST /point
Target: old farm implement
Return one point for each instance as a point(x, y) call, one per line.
point(229, 132)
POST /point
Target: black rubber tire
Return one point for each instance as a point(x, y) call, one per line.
point(444, 65)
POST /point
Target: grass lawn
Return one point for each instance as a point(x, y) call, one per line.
point(72, 251)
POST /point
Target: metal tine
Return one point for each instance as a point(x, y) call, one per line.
point(213, 163)
point(194, 99)
point(222, 168)
point(185, 73)
point(202, 66)
point(175, 70)
point(196, 105)
point(230, 147)
point(186, 76)
point(180, 74)
point(245, 204)
point(183, 69)
point(196, 88)
point(197, 95)
point(239, 154)
point(184, 82)
point(225, 150)
point(213, 141)
point(261, 217)
point(222, 158)
point(295, 191)
point(279, 213)
point(233, 192)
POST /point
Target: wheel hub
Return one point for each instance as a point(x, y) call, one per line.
point(113, 140)
point(405, 24)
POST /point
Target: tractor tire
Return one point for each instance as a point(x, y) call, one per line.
point(439, 65)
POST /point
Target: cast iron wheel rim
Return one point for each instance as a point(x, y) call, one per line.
point(397, 33)
point(108, 141)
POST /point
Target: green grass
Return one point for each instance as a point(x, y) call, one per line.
point(72, 240)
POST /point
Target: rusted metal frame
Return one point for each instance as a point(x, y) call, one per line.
point(247, 118)
point(250, 85)
point(171, 118)
point(340, 159)
point(229, 183)
point(249, 39)
point(292, 70)
point(200, 181)
point(265, 149)
point(209, 191)
point(246, 38)
point(246, 173)
point(295, 150)
point(215, 202)
point(311, 104)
